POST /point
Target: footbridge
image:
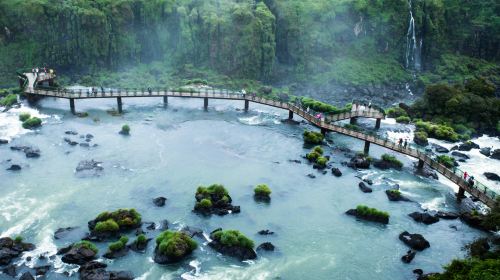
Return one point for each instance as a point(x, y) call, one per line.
point(326, 123)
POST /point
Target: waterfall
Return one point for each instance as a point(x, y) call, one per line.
point(412, 47)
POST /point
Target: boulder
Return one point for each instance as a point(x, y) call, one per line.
point(159, 201)
point(392, 195)
point(10, 270)
point(26, 276)
point(89, 167)
point(79, 255)
point(360, 161)
point(9, 249)
point(266, 246)
point(410, 255)
point(424, 217)
point(384, 165)
point(440, 149)
point(460, 155)
point(467, 146)
point(192, 231)
point(97, 271)
point(42, 270)
point(486, 151)
point(415, 241)
point(238, 252)
point(495, 154)
point(364, 188)
point(62, 233)
point(265, 232)
point(116, 254)
point(336, 172)
point(151, 226)
point(139, 247)
point(425, 172)
point(310, 175)
point(475, 221)
point(447, 215)
point(70, 142)
point(4, 141)
point(371, 218)
point(14, 167)
point(29, 152)
point(71, 132)
point(491, 176)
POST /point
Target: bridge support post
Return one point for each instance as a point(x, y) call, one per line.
point(377, 124)
point(247, 105)
point(366, 150)
point(120, 105)
point(165, 101)
point(324, 131)
point(420, 164)
point(290, 115)
point(353, 120)
point(460, 194)
point(72, 105)
point(205, 103)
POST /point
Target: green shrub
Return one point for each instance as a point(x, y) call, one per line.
point(107, 226)
point(8, 100)
point(322, 107)
point(321, 161)
point(24, 117)
point(32, 122)
point(125, 129)
point(233, 238)
point(396, 112)
point(116, 246)
point(313, 156)
point(367, 211)
point(420, 138)
point(18, 239)
point(87, 245)
point(141, 239)
point(395, 192)
point(473, 269)
point(312, 137)
point(446, 160)
point(403, 119)
point(121, 218)
point(215, 189)
point(440, 131)
point(175, 244)
point(392, 159)
point(352, 127)
point(205, 203)
point(318, 150)
point(262, 190)
point(124, 239)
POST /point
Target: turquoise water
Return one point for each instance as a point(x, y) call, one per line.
point(171, 151)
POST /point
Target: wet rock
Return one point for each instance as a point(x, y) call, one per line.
point(486, 151)
point(440, 149)
point(70, 142)
point(265, 232)
point(89, 136)
point(78, 255)
point(495, 154)
point(368, 181)
point(64, 250)
point(85, 145)
point(151, 226)
point(384, 165)
point(29, 152)
point(238, 252)
point(418, 271)
point(10, 270)
point(425, 172)
point(491, 176)
point(61, 233)
point(192, 231)
point(4, 141)
point(460, 155)
point(97, 271)
point(395, 195)
point(467, 146)
point(26, 276)
point(359, 161)
point(116, 254)
point(475, 220)
point(310, 175)
point(410, 255)
point(294, 161)
point(364, 188)
point(447, 215)
point(89, 167)
point(371, 218)
point(42, 270)
point(71, 132)
point(415, 241)
point(425, 218)
point(266, 246)
point(139, 247)
point(336, 172)
point(14, 167)
point(159, 201)
point(9, 249)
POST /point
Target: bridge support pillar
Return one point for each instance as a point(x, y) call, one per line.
point(120, 104)
point(460, 194)
point(247, 105)
point(165, 101)
point(366, 150)
point(353, 120)
point(377, 124)
point(420, 164)
point(205, 103)
point(72, 106)
point(290, 115)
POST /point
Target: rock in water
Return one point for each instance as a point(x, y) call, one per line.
point(266, 246)
point(336, 172)
point(395, 195)
point(96, 271)
point(10, 270)
point(486, 151)
point(371, 218)
point(359, 161)
point(460, 155)
point(364, 188)
point(4, 141)
point(495, 154)
point(159, 201)
point(26, 276)
point(492, 176)
point(447, 215)
point(265, 232)
point(440, 149)
point(467, 146)
point(79, 255)
point(425, 218)
point(14, 167)
point(415, 241)
point(410, 255)
point(89, 167)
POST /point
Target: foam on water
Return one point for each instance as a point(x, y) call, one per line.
point(11, 126)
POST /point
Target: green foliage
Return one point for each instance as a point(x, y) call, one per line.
point(492, 219)
point(470, 269)
point(396, 112)
point(125, 129)
point(395, 192)
point(215, 189)
point(318, 150)
point(352, 127)
point(18, 239)
point(322, 161)
point(233, 238)
point(313, 156)
point(24, 117)
point(8, 100)
point(262, 190)
point(445, 160)
point(32, 123)
point(420, 137)
point(440, 131)
point(205, 203)
point(367, 211)
point(87, 245)
point(312, 137)
point(392, 159)
point(319, 106)
point(175, 244)
point(141, 239)
point(403, 119)
point(107, 226)
point(118, 245)
point(117, 220)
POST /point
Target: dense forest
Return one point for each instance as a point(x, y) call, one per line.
point(279, 42)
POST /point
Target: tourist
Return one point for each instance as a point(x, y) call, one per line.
point(465, 175)
point(471, 181)
point(243, 92)
point(307, 110)
point(370, 105)
point(406, 143)
point(400, 142)
point(149, 90)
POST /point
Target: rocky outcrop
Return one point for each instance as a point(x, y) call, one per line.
point(29, 152)
point(89, 167)
point(4, 141)
point(11, 249)
point(415, 241)
point(475, 220)
point(364, 188)
point(266, 246)
point(139, 247)
point(395, 195)
point(467, 146)
point(97, 271)
point(159, 201)
point(425, 172)
point(239, 252)
point(460, 155)
point(78, 255)
point(424, 217)
point(447, 215)
point(384, 165)
point(371, 218)
point(486, 151)
point(440, 149)
point(360, 161)
point(116, 254)
point(491, 176)
point(495, 154)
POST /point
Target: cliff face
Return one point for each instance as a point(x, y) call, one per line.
point(359, 41)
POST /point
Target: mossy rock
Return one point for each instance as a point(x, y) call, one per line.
point(173, 246)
